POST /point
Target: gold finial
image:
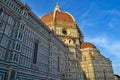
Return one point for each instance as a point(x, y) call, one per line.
point(57, 8)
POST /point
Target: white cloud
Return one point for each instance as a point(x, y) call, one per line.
point(86, 13)
point(86, 22)
point(114, 20)
point(113, 47)
point(114, 23)
point(116, 68)
point(113, 12)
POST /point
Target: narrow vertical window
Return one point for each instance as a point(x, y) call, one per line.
point(0, 27)
point(8, 30)
point(22, 26)
point(15, 57)
point(20, 36)
point(58, 64)
point(12, 76)
point(18, 47)
point(5, 17)
point(1, 10)
point(1, 77)
point(35, 52)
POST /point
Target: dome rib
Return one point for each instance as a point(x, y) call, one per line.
point(60, 16)
point(47, 18)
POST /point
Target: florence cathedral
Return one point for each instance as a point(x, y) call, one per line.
point(48, 48)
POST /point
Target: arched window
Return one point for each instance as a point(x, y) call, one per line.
point(69, 41)
point(64, 31)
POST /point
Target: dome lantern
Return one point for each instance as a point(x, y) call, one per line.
point(57, 8)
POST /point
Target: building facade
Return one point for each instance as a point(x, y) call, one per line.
point(50, 48)
point(28, 49)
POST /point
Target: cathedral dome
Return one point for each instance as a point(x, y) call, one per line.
point(64, 25)
point(58, 16)
point(87, 45)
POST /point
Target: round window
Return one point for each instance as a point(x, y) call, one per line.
point(64, 32)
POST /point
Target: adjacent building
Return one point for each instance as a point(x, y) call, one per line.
point(95, 65)
point(49, 48)
point(117, 77)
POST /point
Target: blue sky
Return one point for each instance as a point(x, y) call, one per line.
point(99, 21)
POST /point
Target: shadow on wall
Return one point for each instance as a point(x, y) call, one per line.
point(85, 78)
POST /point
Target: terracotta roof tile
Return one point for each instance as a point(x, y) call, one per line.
point(47, 18)
point(61, 16)
point(87, 45)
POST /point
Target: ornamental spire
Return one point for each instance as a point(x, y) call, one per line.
point(57, 8)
